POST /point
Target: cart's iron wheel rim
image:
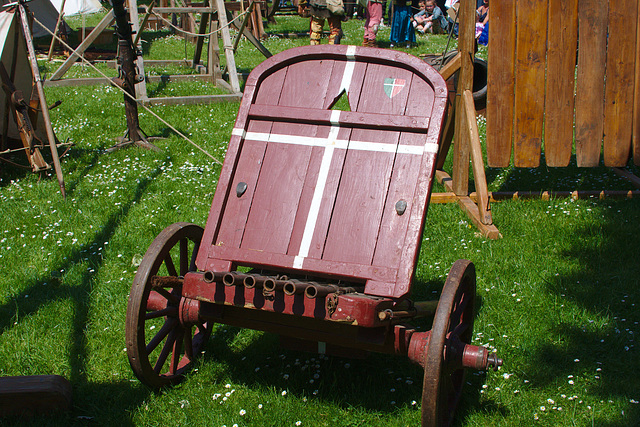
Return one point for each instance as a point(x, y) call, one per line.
point(167, 353)
point(444, 377)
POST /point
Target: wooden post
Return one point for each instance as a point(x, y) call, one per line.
point(228, 47)
point(140, 87)
point(466, 46)
point(204, 22)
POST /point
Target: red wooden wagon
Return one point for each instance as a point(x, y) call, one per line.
point(323, 211)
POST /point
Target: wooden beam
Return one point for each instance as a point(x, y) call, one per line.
point(479, 177)
point(499, 196)
point(633, 179)
point(451, 67)
point(228, 47)
point(107, 21)
point(34, 394)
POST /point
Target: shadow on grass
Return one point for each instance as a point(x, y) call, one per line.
point(600, 356)
point(88, 396)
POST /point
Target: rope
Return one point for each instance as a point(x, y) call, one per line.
point(129, 95)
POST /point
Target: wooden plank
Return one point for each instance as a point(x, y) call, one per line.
point(561, 68)
point(230, 210)
point(501, 83)
point(34, 394)
point(592, 51)
point(489, 231)
point(618, 96)
point(404, 181)
point(323, 116)
point(451, 67)
point(636, 100)
point(530, 76)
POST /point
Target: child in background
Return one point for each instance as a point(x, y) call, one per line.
point(430, 19)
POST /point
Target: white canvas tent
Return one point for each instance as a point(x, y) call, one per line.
point(17, 65)
point(77, 7)
point(45, 12)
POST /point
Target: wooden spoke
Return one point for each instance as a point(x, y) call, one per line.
point(184, 256)
point(169, 311)
point(162, 333)
point(176, 354)
point(166, 349)
point(171, 297)
point(171, 268)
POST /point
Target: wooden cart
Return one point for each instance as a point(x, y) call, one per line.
point(315, 226)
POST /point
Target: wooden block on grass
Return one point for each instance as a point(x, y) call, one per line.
point(34, 394)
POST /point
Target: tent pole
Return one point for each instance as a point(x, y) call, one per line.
point(53, 39)
point(43, 101)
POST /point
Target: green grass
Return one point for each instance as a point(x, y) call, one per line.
point(557, 295)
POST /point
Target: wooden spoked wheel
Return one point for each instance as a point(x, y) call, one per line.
point(159, 346)
point(453, 323)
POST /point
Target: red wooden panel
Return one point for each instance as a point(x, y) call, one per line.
point(530, 77)
point(365, 177)
point(561, 70)
point(592, 51)
point(618, 98)
point(317, 197)
point(500, 83)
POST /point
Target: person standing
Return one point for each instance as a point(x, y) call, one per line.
point(330, 10)
point(401, 26)
point(374, 14)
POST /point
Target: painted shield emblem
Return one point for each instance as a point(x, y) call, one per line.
point(392, 87)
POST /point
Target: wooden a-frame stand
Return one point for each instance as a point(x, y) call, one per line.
point(461, 126)
point(212, 72)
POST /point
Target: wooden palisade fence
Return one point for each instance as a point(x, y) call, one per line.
point(559, 68)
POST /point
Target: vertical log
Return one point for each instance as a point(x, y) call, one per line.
point(127, 58)
point(466, 46)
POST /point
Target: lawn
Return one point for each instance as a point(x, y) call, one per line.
point(557, 294)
